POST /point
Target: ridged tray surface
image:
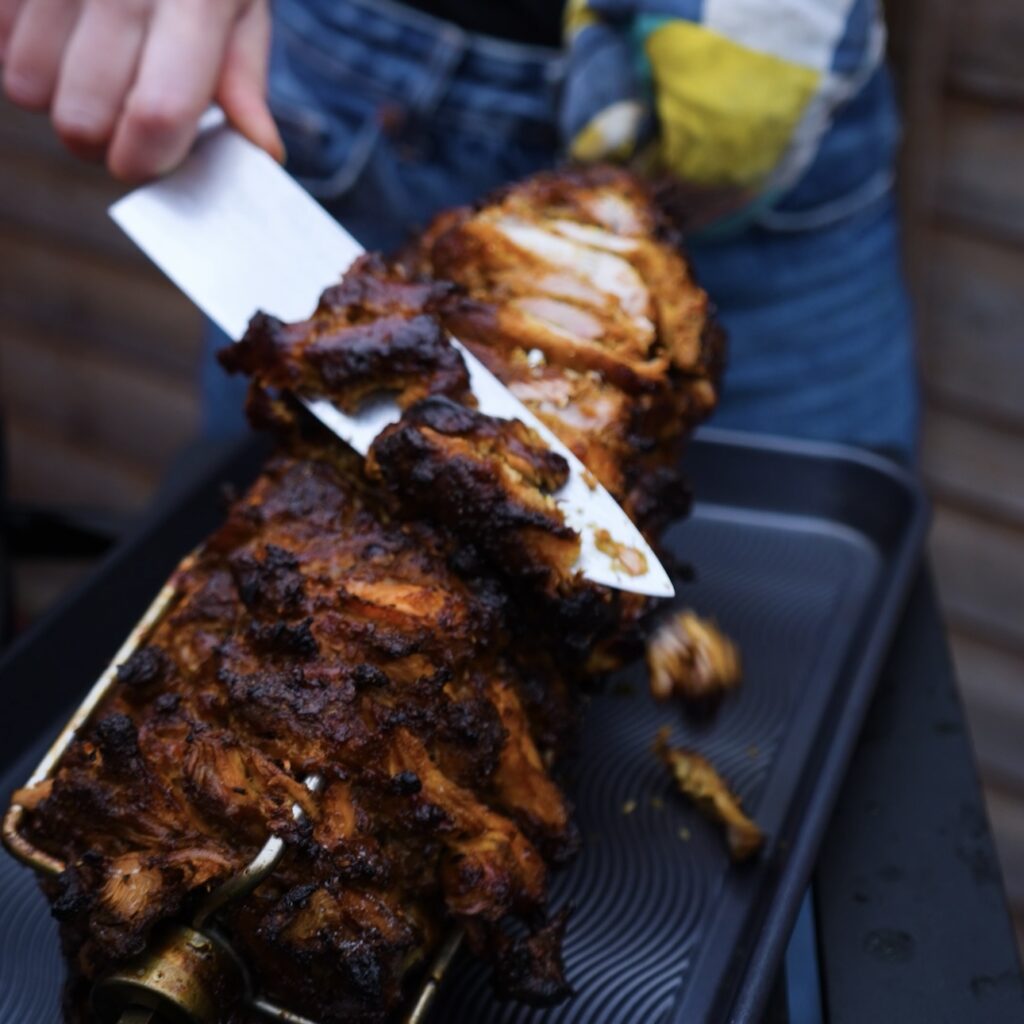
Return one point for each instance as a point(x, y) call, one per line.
point(31, 970)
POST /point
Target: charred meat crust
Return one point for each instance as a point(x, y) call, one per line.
point(318, 633)
point(488, 481)
point(375, 331)
point(574, 291)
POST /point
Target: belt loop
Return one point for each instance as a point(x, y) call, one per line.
point(442, 62)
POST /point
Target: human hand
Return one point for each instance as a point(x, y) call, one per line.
point(125, 81)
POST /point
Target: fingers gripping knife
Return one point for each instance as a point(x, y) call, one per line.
point(235, 233)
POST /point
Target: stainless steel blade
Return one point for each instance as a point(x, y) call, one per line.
point(235, 233)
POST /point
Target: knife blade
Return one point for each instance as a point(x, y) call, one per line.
point(236, 234)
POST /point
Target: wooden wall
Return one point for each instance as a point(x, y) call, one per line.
point(963, 79)
point(98, 354)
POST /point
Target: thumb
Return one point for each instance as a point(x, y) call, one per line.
point(242, 89)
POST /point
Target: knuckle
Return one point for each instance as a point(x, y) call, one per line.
point(130, 167)
point(81, 125)
point(7, 18)
point(122, 9)
point(23, 88)
point(157, 117)
point(29, 74)
point(211, 10)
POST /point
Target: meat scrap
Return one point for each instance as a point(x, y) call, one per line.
point(690, 657)
point(375, 331)
point(698, 780)
point(491, 480)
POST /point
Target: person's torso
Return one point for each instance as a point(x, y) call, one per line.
point(538, 22)
point(482, 74)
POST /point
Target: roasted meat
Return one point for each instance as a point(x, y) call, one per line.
point(408, 629)
point(574, 292)
point(697, 779)
point(570, 287)
point(490, 479)
point(691, 657)
point(315, 633)
point(375, 331)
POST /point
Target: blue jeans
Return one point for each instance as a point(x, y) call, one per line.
point(389, 115)
point(819, 329)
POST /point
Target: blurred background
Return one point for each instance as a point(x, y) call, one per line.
point(98, 358)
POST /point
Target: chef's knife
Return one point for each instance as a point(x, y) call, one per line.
point(236, 234)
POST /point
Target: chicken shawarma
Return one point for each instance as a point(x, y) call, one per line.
point(407, 628)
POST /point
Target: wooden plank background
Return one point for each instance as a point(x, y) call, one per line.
point(962, 81)
point(98, 356)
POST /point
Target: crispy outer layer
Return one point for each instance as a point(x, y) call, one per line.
point(570, 287)
point(410, 638)
point(487, 479)
point(376, 330)
point(318, 634)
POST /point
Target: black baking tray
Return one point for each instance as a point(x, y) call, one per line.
point(803, 553)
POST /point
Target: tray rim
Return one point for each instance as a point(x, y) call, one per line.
point(812, 448)
point(749, 996)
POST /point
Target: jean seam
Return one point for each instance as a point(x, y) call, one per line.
point(490, 121)
point(442, 62)
point(856, 201)
point(352, 166)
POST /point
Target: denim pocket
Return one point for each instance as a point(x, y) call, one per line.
point(330, 128)
point(387, 127)
point(337, 152)
point(328, 149)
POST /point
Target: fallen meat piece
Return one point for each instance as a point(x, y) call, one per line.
point(375, 331)
point(690, 657)
point(698, 780)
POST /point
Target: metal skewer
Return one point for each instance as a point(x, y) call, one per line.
point(255, 871)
